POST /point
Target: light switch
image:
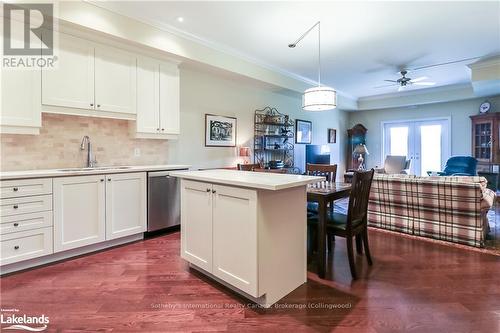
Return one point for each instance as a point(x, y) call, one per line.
point(137, 152)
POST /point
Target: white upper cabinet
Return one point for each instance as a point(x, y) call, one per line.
point(90, 79)
point(20, 111)
point(157, 99)
point(115, 80)
point(71, 84)
point(148, 101)
point(169, 99)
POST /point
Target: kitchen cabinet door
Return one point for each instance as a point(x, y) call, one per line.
point(20, 111)
point(125, 204)
point(115, 80)
point(169, 99)
point(235, 237)
point(148, 99)
point(71, 83)
point(196, 223)
point(79, 211)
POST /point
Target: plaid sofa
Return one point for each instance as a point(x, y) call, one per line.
point(447, 208)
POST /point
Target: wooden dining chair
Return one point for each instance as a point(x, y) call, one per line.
point(248, 167)
point(329, 171)
point(325, 170)
point(354, 224)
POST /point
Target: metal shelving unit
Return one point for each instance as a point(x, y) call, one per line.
point(274, 135)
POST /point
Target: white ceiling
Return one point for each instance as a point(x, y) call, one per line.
point(363, 43)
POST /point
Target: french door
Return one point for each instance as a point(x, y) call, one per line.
point(425, 142)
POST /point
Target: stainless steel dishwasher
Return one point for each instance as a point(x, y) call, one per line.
point(163, 200)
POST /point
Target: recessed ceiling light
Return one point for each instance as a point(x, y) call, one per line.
point(180, 19)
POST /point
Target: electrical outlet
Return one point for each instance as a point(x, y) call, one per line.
point(137, 152)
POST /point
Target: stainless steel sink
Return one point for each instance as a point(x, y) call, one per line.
point(94, 169)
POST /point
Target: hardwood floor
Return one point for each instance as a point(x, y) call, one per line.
point(413, 286)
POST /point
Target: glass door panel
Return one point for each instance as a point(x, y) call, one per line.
point(426, 143)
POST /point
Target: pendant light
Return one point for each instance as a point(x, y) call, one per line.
point(320, 98)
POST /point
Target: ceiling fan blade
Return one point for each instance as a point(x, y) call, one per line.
point(424, 83)
point(419, 79)
point(386, 85)
point(391, 81)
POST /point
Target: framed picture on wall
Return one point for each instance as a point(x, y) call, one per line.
point(220, 131)
point(303, 129)
point(332, 135)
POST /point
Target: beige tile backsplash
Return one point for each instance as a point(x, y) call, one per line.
point(58, 145)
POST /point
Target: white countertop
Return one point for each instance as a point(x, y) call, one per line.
point(258, 180)
point(63, 172)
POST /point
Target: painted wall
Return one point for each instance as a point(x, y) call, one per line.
point(202, 92)
point(458, 111)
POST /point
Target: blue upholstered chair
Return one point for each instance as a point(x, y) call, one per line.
point(459, 166)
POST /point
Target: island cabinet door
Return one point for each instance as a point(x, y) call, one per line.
point(235, 237)
point(196, 223)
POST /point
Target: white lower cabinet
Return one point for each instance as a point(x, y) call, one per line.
point(125, 204)
point(196, 223)
point(92, 209)
point(235, 237)
point(219, 232)
point(79, 211)
point(23, 245)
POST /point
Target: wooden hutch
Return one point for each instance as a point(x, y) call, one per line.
point(486, 140)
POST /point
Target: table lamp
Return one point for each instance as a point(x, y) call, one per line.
point(359, 151)
point(244, 152)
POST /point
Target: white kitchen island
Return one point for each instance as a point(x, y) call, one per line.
point(247, 230)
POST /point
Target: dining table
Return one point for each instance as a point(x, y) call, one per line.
point(323, 193)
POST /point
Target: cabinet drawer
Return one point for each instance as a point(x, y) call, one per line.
point(24, 205)
point(25, 187)
point(25, 245)
point(24, 222)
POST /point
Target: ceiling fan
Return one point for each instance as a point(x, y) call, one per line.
point(403, 82)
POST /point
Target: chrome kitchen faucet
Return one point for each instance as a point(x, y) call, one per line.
point(91, 162)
